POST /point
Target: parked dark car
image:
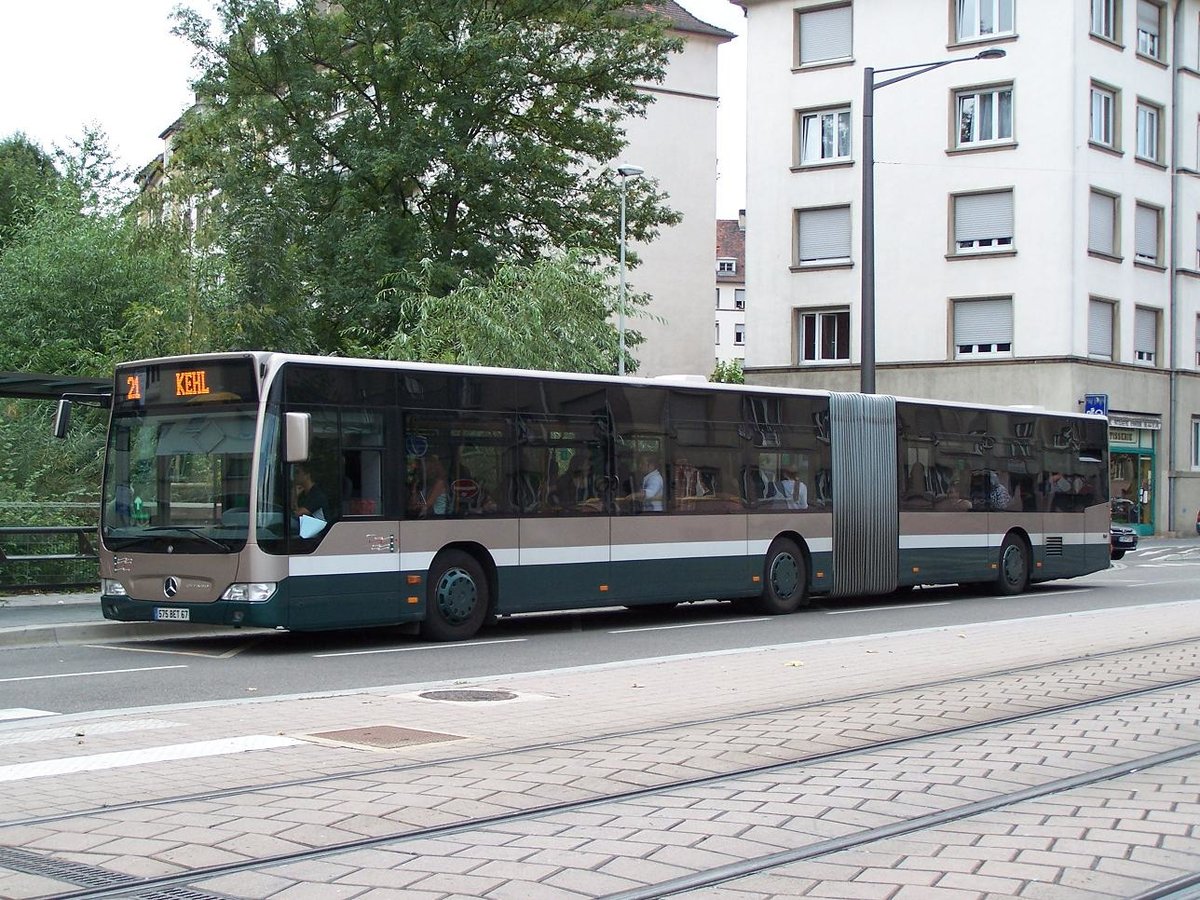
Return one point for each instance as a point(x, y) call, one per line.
point(1121, 538)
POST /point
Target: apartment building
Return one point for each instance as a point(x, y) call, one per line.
point(676, 144)
point(730, 338)
point(1036, 216)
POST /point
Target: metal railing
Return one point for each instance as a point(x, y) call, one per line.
point(48, 557)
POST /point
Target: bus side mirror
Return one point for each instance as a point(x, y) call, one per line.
point(62, 418)
point(299, 433)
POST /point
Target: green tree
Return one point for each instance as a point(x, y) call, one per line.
point(84, 284)
point(729, 372)
point(98, 184)
point(553, 314)
point(27, 174)
point(347, 142)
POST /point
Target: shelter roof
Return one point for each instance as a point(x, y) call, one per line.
point(35, 386)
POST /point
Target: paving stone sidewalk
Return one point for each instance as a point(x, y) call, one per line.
point(1146, 823)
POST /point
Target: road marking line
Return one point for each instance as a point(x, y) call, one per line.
point(101, 761)
point(84, 674)
point(689, 625)
point(9, 715)
point(90, 730)
point(228, 654)
point(419, 647)
point(843, 612)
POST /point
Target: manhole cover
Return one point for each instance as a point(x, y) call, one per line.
point(387, 736)
point(468, 696)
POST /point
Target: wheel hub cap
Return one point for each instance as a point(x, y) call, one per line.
point(784, 575)
point(456, 596)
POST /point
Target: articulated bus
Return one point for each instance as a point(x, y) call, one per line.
point(307, 493)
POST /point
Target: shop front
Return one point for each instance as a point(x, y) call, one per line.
point(1133, 486)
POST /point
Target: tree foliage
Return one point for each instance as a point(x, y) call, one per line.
point(351, 141)
point(552, 314)
point(728, 372)
point(27, 174)
point(86, 281)
point(35, 466)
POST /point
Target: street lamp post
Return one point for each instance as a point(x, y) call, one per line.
point(625, 171)
point(867, 323)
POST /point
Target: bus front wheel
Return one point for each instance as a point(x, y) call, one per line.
point(457, 601)
point(1013, 576)
point(785, 579)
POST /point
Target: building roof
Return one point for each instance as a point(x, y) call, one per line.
point(682, 20)
point(731, 244)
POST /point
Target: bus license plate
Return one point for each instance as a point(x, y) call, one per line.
point(171, 614)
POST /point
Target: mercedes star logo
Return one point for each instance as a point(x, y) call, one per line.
point(171, 586)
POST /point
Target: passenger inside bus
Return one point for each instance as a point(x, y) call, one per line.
point(310, 504)
point(431, 493)
point(651, 494)
point(308, 497)
point(794, 491)
point(574, 485)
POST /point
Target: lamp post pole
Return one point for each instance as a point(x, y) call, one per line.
point(625, 171)
point(867, 310)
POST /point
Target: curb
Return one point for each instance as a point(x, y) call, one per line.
point(50, 635)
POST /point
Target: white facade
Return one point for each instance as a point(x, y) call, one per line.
point(730, 337)
point(991, 190)
point(676, 143)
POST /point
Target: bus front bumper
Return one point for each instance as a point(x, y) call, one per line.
point(219, 612)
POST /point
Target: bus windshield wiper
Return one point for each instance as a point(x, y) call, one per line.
point(193, 531)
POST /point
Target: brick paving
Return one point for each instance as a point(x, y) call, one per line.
point(572, 736)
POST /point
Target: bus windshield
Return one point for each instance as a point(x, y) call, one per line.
point(178, 481)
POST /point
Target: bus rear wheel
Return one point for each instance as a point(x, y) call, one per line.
point(457, 601)
point(785, 579)
point(1013, 576)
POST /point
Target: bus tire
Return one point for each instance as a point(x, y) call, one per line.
point(457, 601)
point(1013, 576)
point(785, 580)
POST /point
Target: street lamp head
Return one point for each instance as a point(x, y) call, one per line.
point(991, 53)
point(630, 171)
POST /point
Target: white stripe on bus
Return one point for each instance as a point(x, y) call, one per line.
point(677, 550)
point(351, 562)
point(540, 556)
point(367, 563)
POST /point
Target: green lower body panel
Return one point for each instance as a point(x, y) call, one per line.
point(316, 602)
point(946, 565)
point(1073, 561)
point(579, 586)
point(347, 601)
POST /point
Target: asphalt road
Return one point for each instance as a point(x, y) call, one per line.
point(124, 674)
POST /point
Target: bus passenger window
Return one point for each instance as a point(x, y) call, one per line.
point(362, 483)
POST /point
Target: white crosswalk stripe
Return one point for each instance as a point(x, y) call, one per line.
point(100, 761)
point(16, 712)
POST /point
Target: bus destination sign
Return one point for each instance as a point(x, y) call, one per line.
point(192, 384)
point(219, 381)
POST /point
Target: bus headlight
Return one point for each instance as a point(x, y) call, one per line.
point(250, 592)
point(112, 588)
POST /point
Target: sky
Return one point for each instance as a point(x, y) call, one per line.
point(65, 64)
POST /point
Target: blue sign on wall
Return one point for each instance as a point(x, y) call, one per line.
point(1095, 404)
